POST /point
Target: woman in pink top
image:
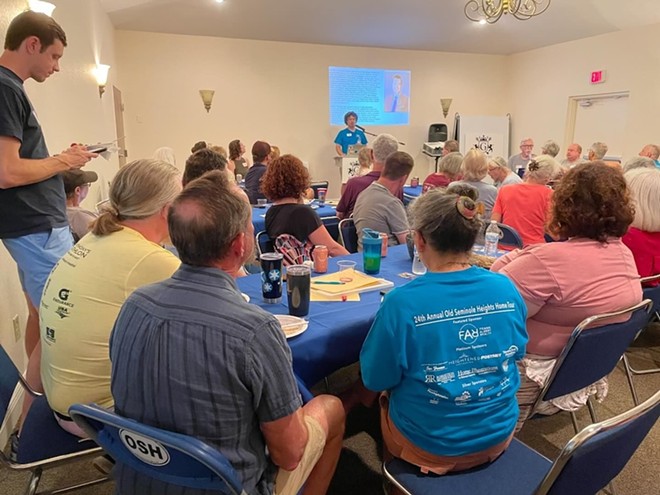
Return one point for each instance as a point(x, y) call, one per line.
point(563, 283)
point(526, 206)
point(643, 236)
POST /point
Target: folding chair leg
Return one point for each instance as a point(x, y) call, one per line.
point(626, 367)
point(35, 478)
point(592, 411)
point(575, 423)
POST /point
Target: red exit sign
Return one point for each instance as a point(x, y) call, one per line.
point(597, 77)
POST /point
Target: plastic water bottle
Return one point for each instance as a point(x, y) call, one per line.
point(418, 266)
point(493, 233)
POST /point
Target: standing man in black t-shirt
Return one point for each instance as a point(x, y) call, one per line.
point(33, 221)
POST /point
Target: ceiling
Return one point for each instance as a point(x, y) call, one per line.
point(437, 25)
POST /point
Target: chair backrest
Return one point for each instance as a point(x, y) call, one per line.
point(348, 235)
point(596, 455)
point(162, 455)
point(264, 243)
point(592, 354)
point(293, 251)
point(510, 236)
point(322, 184)
point(651, 287)
point(332, 226)
point(9, 378)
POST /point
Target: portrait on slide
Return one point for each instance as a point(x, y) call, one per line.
point(396, 99)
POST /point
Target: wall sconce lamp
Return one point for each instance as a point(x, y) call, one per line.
point(207, 98)
point(101, 74)
point(41, 7)
point(446, 103)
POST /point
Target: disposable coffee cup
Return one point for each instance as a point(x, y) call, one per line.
point(298, 280)
point(271, 277)
point(321, 192)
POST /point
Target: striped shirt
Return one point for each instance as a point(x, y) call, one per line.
point(190, 355)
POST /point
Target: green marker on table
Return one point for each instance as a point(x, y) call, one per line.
point(322, 282)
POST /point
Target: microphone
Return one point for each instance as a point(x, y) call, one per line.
point(360, 127)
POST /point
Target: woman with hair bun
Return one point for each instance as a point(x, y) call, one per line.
point(526, 206)
point(88, 286)
point(443, 348)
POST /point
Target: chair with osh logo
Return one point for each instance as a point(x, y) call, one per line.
point(590, 460)
point(160, 455)
point(510, 236)
point(43, 443)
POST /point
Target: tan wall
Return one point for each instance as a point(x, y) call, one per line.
point(69, 110)
point(278, 92)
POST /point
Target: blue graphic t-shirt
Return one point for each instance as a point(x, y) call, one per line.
point(445, 346)
point(346, 137)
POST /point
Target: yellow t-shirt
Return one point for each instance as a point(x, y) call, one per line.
point(80, 303)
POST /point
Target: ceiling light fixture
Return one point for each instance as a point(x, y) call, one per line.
point(491, 10)
point(41, 7)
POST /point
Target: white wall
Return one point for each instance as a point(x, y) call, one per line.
point(541, 81)
point(278, 92)
point(69, 110)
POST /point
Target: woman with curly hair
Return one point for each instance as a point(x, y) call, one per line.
point(238, 164)
point(284, 183)
point(563, 283)
point(526, 206)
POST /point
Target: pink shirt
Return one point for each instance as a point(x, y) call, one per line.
point(525, 207)
point(563, 283)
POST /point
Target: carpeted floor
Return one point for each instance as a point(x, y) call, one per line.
point(358, 472)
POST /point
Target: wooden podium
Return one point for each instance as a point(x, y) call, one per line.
point(348, 165)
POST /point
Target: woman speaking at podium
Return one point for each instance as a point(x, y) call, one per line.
point(350, 135)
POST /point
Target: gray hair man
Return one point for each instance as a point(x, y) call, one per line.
point(251, 409)
point(378, 208)
point(651, 151)
point(521, 160)
point(573, 156)
point(499, 171)
point(551, 148)
point(597, 151)
point(382, 147)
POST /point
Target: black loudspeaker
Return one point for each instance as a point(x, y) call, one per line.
point(437, 132)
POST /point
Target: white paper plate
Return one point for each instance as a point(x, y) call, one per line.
point(292, 325)
point(245, 296)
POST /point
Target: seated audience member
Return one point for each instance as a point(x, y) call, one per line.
point(643, 236)
point(449, 170)
point(220, 150)
point(563, 283)
point(90, 283)
point(165, 154)
point(229, 380)
point(651, 151)
point(274, 152)
point(598, 151)
point(377, 208)
point(450, 146)
point(520, 160)
point(383, 146)
point(199, 145)
point(202, 161)
point(433, 412)
point(261, 156)
point(236, 151)
point(285, 182)
point(475, 169)
point(365, 162)
point(526, 206)
point(499, 171)
point(76, 187)
point(573, 156)
point(551, 148)
point(638, 162)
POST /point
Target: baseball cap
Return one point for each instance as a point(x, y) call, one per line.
point(75, 178)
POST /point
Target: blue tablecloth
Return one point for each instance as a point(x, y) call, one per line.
point(336, 329)
point(410, 193)
point(259, 215)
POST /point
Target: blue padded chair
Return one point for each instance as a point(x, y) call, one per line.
point(43, 444)
point(348, 235)
point(589, 461)
point(652, 293)
point(591, 355)
point(161, 455)
point(322, 184)
point(264, 243)
point(332, 225)
point(510, 236)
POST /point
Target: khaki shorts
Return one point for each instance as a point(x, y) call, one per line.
point(290, 482)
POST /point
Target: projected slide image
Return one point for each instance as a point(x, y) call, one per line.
point(378, 96)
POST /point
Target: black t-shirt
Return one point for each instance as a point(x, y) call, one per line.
point(295, 219)
point(36, 207)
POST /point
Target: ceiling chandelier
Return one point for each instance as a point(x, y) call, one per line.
point(490, 11)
